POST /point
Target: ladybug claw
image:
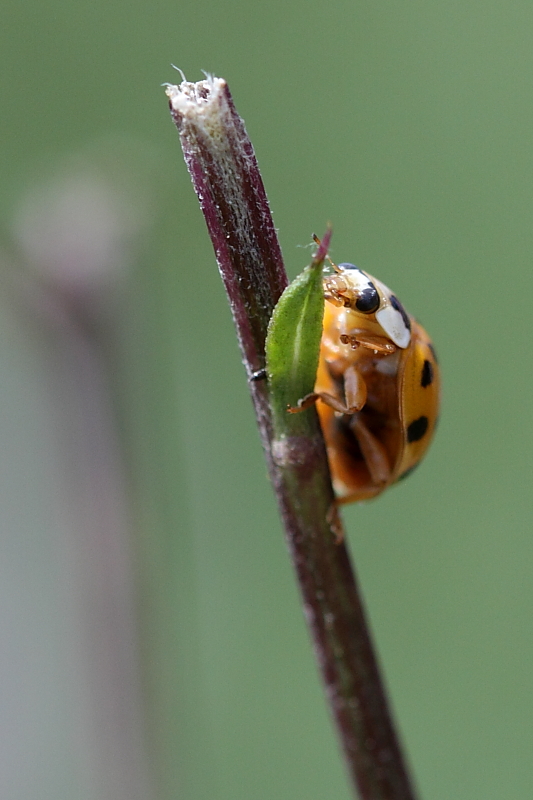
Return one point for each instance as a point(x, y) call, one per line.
point(303, 403)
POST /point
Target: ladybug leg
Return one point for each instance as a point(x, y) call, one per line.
point(376, 343)
point(354, 396)
point(374, 453)
point(310, 399)
point(354, 390)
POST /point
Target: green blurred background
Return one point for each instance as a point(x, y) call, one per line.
point(151, 639)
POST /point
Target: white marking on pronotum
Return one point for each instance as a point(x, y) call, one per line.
point(394, 326)
point(356, 279)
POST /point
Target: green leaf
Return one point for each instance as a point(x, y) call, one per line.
point(293, 345)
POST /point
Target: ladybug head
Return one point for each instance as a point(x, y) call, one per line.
point(352, 288)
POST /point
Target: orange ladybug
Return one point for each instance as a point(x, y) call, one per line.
point(377, 388)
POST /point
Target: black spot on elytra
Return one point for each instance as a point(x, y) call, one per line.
point(368, 300)
point(426, 379)
point(433, 352)
point(395, 303)
point(417, 429)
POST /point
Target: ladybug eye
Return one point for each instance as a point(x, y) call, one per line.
point(368, 300)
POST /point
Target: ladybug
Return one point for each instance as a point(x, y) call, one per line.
point(377, 388)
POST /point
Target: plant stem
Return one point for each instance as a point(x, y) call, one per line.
point(226, 178)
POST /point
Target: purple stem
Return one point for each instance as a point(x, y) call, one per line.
point(226, 178)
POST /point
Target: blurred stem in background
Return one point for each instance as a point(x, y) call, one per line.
point(74, 239)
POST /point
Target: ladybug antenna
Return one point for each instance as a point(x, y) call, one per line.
point(318, 242)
